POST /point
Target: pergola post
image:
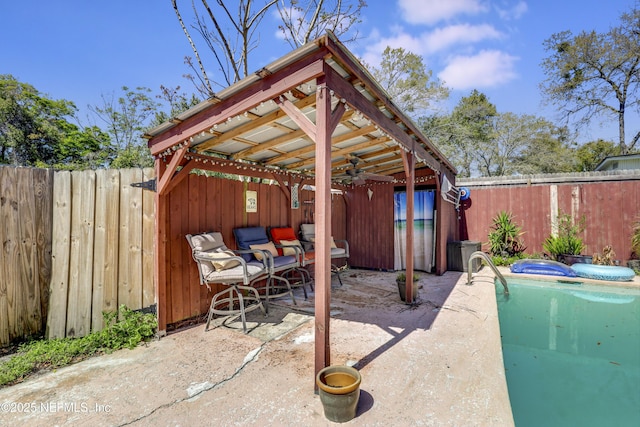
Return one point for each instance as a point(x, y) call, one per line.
point(159, 259)
point(410, 171)
point(323, 228)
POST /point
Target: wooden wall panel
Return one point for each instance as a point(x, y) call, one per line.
point(609, 208)
point(370, 226)
point(200, 204)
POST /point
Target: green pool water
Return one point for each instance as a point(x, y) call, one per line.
point(571, 353)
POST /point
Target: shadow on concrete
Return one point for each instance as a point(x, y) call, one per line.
point(367, 297)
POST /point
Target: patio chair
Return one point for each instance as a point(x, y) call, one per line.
point(339, 248)
point(217, 264)
point(285, 239)
point(257, 247)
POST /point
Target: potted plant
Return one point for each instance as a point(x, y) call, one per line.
point(401, 280)
point(634, 263)
point(566, 246)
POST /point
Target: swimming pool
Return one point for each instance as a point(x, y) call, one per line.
point(571, 353)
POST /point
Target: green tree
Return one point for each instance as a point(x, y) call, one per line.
point(35, 131)
point(408, 82)
point(82, 149)
point(596, 75)
point(480, 141)
point(526, 144)
point(465, 133)
point(126, 119)
point(589, 155)
point(176, 101)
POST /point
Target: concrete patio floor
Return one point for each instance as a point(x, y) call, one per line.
point(437, 363)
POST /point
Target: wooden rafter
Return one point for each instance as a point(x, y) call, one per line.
point(268, 145)
point(309, 149)
point(266, 120)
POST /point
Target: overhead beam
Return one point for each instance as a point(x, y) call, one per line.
point(216, 164)
point(366, 107)
point(361, 76)
point(265, 89)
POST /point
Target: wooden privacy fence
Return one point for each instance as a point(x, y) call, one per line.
point(609, 202)
point(25, 255)
point(74, 244)
point(102, 250)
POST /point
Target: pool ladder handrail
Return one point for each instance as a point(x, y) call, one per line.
point(485, 257)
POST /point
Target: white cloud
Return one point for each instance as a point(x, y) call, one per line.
point(432, 11)
point(428, 42)
point(488, 68)
point(442, 38)
point(514, 12)
point(373, 51)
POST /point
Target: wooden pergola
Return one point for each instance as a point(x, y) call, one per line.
point(299, 120)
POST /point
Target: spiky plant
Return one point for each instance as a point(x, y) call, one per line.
point(505, 236)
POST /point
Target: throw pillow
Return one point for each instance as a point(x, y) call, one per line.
point(221, 261)
point(287, 251)
point(265, 247)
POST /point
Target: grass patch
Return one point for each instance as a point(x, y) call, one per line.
point(124, 328)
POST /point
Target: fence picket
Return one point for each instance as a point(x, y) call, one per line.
point(28, 277)
point(130, 238)
point(148, 236)
point(5, 260)
point(11, 223)
point(105, 255)
point(60, 254)
point(81, 258)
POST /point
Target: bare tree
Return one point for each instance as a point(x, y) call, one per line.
point(303, 21)
point(231, 35)
point(230, 49)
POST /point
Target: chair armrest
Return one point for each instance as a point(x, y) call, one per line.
point(267, 256)
point(307, 245)
point(343, 243)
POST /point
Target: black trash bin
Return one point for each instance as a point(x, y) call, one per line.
point(458, 254)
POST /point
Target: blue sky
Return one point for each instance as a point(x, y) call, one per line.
point(79, 50)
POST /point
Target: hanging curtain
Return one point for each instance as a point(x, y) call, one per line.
point(422, 227)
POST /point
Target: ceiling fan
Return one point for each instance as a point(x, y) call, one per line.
point(356, 176)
